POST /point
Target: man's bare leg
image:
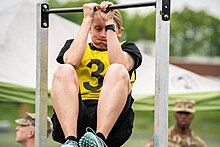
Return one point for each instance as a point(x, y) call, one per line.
point(64, 96)
point(113, 97)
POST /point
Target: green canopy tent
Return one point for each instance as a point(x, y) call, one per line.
point(207, 100)
point(183, 84)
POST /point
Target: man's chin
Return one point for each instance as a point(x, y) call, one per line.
point(17, 140)
point(102, 44)
point(184, 125)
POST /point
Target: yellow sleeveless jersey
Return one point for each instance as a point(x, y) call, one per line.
point(91, 72)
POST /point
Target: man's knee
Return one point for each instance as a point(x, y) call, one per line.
point(64, 71)
point(118, 71)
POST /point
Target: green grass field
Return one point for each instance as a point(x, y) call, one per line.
point(205, 124)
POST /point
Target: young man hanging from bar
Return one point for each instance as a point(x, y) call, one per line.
point(91, 88)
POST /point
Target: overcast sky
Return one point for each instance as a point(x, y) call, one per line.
point(211, 6)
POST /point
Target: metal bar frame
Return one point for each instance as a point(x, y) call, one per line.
point(41, 82)
point(161, 73)
point(161, 68)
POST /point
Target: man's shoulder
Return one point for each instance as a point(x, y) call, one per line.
point(170, 129)
point(175, 139)
point(197, 140)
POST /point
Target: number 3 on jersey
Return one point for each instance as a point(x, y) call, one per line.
point(95, 74)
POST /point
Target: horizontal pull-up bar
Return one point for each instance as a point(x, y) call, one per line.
point(117, 6)
point(45, 11)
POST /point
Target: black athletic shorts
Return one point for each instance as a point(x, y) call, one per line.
point(119, 134)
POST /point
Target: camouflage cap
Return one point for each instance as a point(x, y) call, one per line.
point(29, 119)
point(185, 106)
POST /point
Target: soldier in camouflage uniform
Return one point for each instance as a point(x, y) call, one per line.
point(25, 131)
point(180, 135)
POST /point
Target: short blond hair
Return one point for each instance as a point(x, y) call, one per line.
point(118, 18)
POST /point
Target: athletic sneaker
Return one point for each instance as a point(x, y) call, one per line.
point(70, 143)
point(89, 139)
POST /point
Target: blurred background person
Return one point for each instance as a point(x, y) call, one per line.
point(180, 134)
point(25, 131)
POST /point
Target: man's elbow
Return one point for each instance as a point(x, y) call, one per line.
point(72, 62)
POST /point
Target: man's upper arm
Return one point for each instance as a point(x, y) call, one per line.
point(132, 54)
point(130, 60)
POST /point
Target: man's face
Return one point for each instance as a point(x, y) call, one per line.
point(23, 133)
point(183, 119)
point(98, 33)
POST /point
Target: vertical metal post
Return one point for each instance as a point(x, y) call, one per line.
point(162, 73)
point(41, 82)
